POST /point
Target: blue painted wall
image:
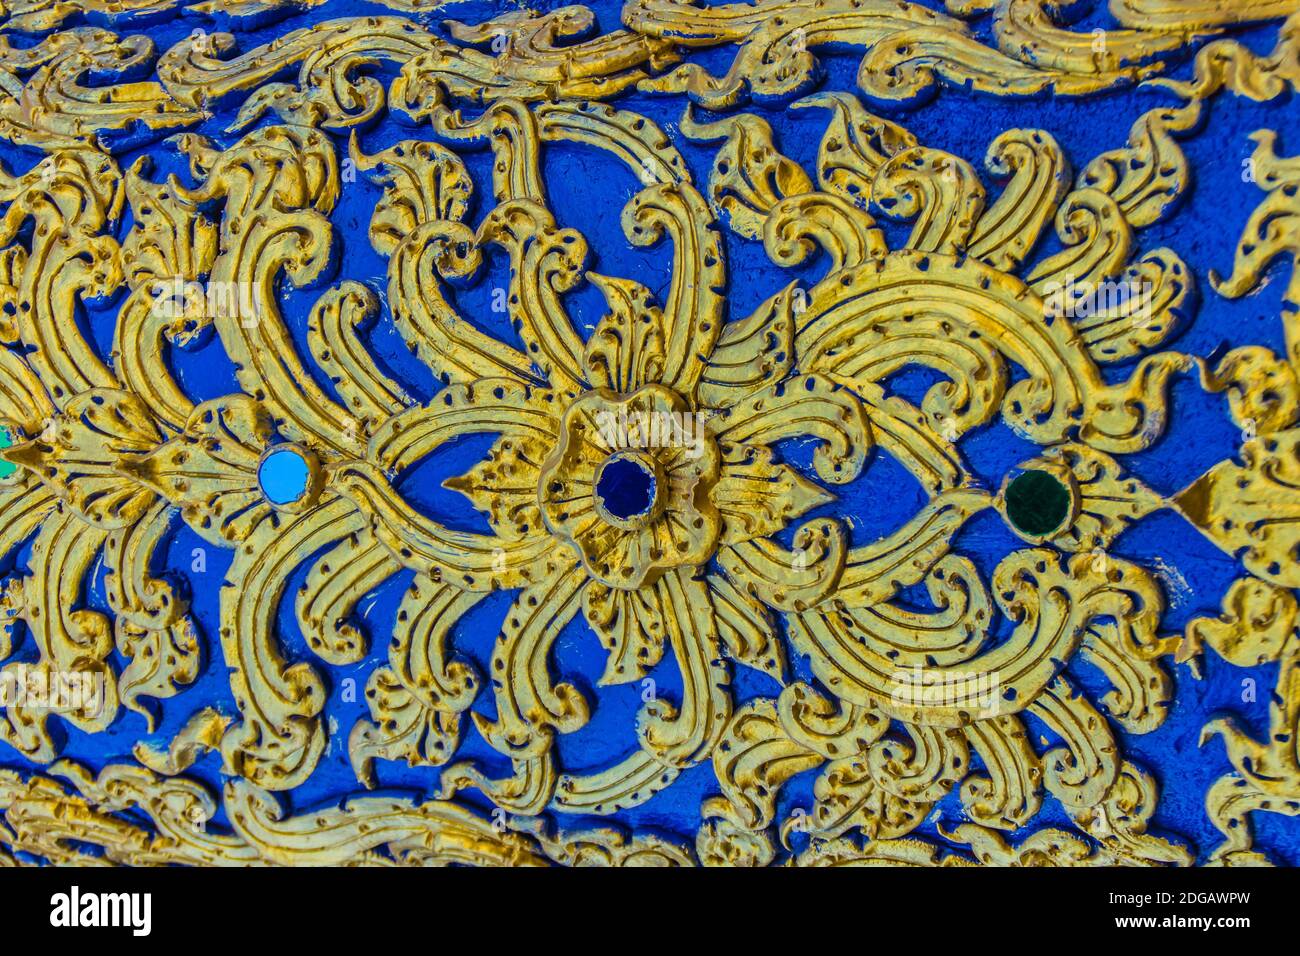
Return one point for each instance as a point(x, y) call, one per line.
point(588, 190)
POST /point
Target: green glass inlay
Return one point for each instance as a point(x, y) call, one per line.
point(1037, 502)
point(6, 440)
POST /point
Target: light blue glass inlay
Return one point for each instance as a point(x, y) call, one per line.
point(283, 476)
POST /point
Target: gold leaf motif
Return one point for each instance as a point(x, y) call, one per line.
point(749, 176)
point(917, 690)
point(1250, 508)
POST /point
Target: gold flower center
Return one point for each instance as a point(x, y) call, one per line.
point(628, 485)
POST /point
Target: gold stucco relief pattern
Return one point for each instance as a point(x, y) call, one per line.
point(109, 449)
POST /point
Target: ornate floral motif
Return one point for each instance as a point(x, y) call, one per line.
point(642, 478)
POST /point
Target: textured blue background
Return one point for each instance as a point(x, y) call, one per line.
point(587, 189)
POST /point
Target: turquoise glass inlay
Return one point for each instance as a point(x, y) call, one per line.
point(284, 476)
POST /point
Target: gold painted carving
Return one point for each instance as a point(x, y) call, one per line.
point(724, 565)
